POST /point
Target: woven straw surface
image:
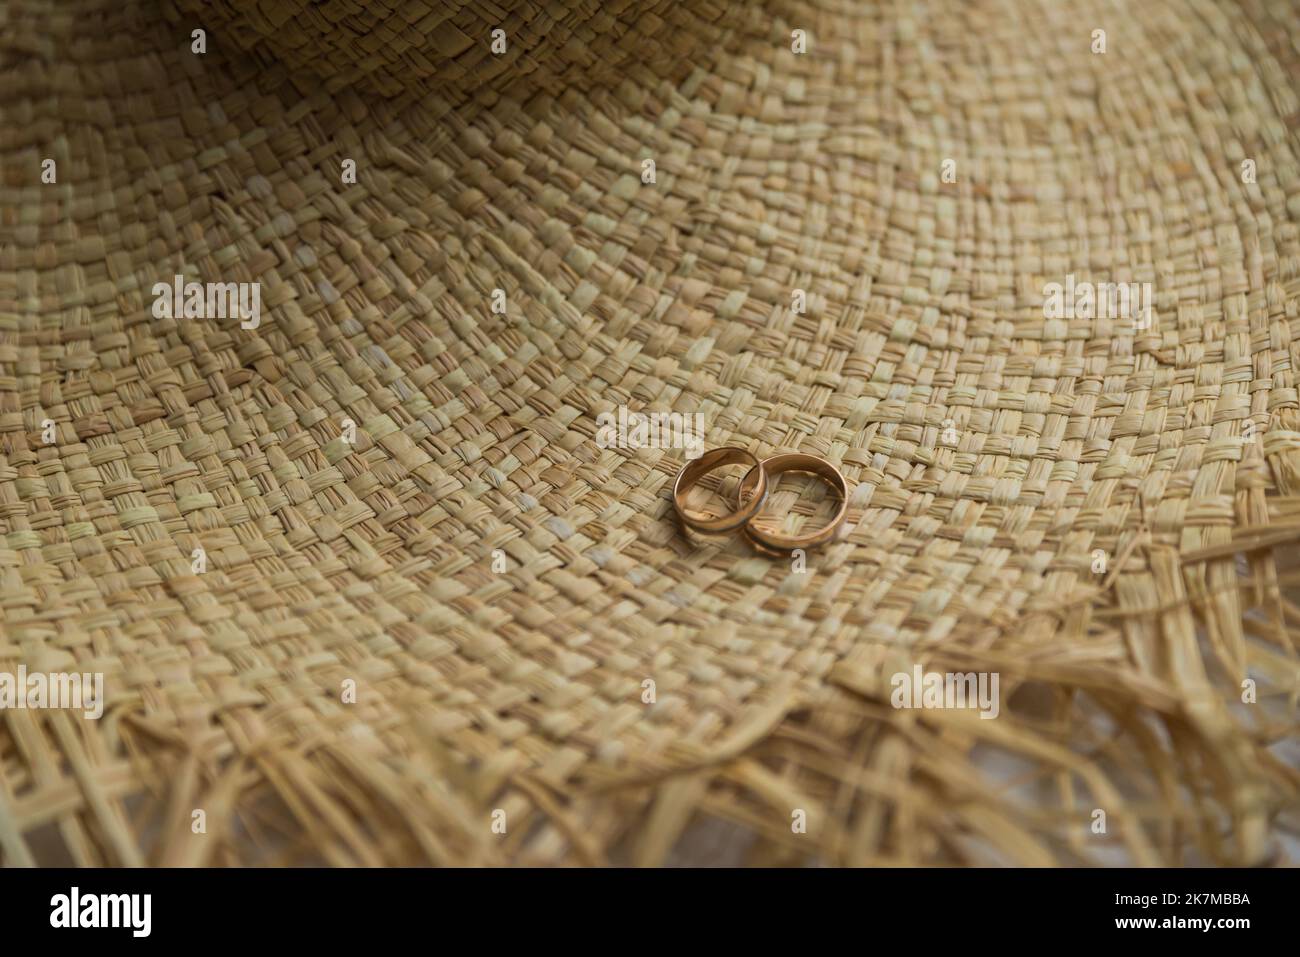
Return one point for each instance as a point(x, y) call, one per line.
point(445, 49)
point(522, 690)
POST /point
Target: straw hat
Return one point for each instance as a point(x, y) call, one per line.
point(365, 588)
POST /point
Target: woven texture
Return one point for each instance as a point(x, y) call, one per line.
point(445, 49)
point(521, 691)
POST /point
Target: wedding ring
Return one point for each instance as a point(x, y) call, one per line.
point(798, 462)
point(692, 472)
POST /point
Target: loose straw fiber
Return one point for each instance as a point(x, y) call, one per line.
point(497, 587)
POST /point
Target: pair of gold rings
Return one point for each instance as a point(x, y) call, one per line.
point(752, 493)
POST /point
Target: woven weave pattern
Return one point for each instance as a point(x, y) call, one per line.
point(372, 562)
point(443, 48)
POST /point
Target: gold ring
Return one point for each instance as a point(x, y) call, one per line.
point(799, 462)
point(692, 472)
